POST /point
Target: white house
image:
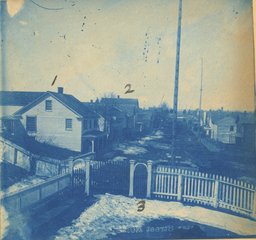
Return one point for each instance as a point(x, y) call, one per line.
point(224, 130)
point(61, 120)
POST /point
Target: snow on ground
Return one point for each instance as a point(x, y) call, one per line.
point(26, 182)
point(113, 214)
point(134, 150)
point(157, 135)
point(79, 165)
point(119, 159)
point(152, 141)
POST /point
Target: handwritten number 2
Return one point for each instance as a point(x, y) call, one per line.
point(129, 90)
point(141, 207)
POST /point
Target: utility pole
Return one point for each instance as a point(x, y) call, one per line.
point(176, 86)
point(200, 102)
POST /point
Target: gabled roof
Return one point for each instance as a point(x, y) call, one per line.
point(115, 108)
point(217, 116)
point(240, 118)
point(76, 105)
point(127, 105)
point(125, 101)
point(67, 100)
point(226, 120)
point(14, 98)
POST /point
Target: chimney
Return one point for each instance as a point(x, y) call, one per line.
point(118, 96)
point(60, 90)
point(91, 101)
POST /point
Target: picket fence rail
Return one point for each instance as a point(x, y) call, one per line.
point(207, 189)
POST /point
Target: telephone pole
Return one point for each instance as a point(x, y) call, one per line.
point(176, 86)
point(200, 102)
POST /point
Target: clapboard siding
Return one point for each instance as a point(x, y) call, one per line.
point(51, 125)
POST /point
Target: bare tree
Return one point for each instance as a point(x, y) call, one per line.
point(164, 106)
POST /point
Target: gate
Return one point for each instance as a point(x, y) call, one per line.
point(78, 181)
point(140, 181)
point(111, 177)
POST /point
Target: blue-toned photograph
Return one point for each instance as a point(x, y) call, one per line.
point(124, 119)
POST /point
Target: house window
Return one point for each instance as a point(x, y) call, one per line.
point(232, 128)
point(90, 124)
point(85, 125)
point(95, 123)
point(31, 124)
point(48, 105)
point(68, 124)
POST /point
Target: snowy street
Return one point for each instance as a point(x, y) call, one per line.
point(157, 146)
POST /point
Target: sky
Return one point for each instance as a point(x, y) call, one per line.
point(100, 46)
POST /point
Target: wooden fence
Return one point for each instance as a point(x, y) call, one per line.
point(23, 198)
point(111, 177)
point(201, 188)
point(78, 181)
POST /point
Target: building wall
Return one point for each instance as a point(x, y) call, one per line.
point(51, 125)
point(214, 131)
point(248, 140)
point(89, 125)
point(223, 134)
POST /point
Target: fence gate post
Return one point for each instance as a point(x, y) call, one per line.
point(87, 176)
point(131, 177)
point(180, 186)
point(70, 162)
point(149, 178)
point(216, 191)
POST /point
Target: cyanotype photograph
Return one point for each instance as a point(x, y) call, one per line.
point(127, 119)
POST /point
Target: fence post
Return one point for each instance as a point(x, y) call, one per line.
point(19, 203)
point(70, 162)
point(149, 178)
point(180, 186)
point(131, 177)
point(87, 176)
point(216, 193)
point(15, 156)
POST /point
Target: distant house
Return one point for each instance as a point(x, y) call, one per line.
point(128, 106)
point(119, 115)
point(118, 123)
point(144, 120)
point(246, 131)
point(231, 128)
point(224, 130)
point(61, 120)
point(12, 101)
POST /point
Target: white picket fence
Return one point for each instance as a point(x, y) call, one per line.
point(201, 188)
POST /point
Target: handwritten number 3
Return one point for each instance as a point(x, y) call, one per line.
point(129, 90)
point(142, 206)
